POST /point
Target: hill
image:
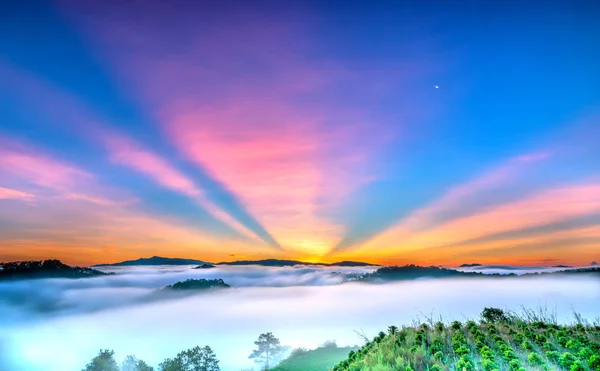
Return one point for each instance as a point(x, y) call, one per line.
point(320, 359)
point(44, 269)
point(291, 263)
point(155, 260)
point(498, 342)
point(200, 284)
point(413, 272)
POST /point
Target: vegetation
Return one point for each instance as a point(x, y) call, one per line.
point(44, 269)
point(268, 347)
point(197, 284)
point(500, 341)
point(320, 359)
point(205, 266)
point(411, 272)
point(194, 359)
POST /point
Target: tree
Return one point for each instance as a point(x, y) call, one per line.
point(493, 315)
point(131, 363)
point(194, 359)
point(268, 347)
point(329, 344)
point(104, 361)
point(392, 330)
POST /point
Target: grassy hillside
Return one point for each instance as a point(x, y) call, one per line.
point(498, 342)
point(321, 359)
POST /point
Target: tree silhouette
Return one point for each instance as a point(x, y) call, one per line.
point(194, 359)
point(131, 363)
point(268, 348)
point(104, 361)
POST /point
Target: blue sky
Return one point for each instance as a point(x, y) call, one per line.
point(300, 129)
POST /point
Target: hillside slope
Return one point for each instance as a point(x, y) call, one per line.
point(508, 344)
point(320, 359)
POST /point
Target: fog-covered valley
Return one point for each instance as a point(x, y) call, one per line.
point(59, 324)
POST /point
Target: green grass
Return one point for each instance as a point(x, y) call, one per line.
point(320, 359)
point(513, 343)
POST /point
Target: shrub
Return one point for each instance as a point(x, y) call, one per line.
point(553, 355)
point(577, 366)
point(465, 364)
point(439, 356)
point(462, 350)
point(585, 353)
point(514, 365)
point(573, 344)
point(436, 368)
point(527, 345)
point(456, 325)
point(594, 362)
point(549, 346)
point(439, 326)
point(534, 359)
point(567, 360)
point(489, 365)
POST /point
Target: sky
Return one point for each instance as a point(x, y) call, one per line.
point(391, 132)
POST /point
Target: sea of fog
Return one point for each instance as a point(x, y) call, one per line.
point(60, 324)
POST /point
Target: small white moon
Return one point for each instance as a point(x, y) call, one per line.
point(437, 87)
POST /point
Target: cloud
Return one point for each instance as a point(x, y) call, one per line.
point(271, 143)
point(91, 126)
point(230, 320)
point(13, 194)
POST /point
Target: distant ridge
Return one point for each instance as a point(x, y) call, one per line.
point(51, 268)
point(470, 265)
point(155, 260)
point(291, 263)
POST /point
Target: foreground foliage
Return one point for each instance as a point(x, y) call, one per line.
point(498, 342)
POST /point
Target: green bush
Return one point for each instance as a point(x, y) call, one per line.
point(439, 356)
point(553, 355)
point(465, 364)
point(436, 368)
point(456, 325)
point(489, 365)
point(462, 350)
point(567, 360)
point(534, 359)
point(594, 362)
point(577, 366)
point(514, 365)
point(527, 345)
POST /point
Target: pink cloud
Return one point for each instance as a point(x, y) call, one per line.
point(284, 159)
point(24, 164)
point(128, 153)
point(455, 197)
point(546, 207)
point(13, 194)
